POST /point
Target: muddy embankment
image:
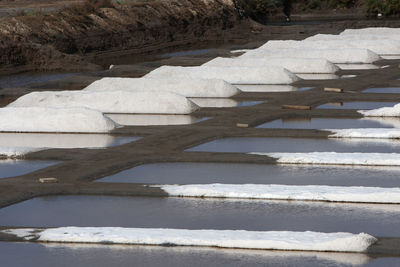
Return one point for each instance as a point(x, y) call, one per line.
point(67, 40)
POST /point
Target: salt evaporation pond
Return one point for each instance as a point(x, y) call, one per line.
point(148, 119)
point(54, 140)
point(10, 168)
point(330, 123)
point(297, 145)
point(180, 213)
point(268, 88)
point(230, 173)
point(357, 105)
point(222, 102)
point(20, 80)
point(385, 90)
point(88, 255)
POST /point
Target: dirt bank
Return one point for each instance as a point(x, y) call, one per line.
point(58, 41)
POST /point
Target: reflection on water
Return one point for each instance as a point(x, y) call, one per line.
point(222, 102)
point(189, 213)
point(186, 53)
point(142, 120)
point(387, 90)
point(10, 168)
point(40, 140)
point(88, 255)
point(357, 105)
point(21, 80)
point(326, 123)
point(267, 88)
point(358, 66)
point(231, 173)
point(292, 145)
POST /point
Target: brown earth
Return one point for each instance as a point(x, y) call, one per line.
point(57, 41)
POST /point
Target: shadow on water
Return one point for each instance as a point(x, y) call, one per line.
point(189, 213)
point(230, 173)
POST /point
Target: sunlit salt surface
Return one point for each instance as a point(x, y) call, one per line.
point(230, 173)
point(222, 102)
point(179, 213)
point(390, 57)
point(44, 140)
point(10, 168)
point(387, 90)
point(88, 255)
point(357, 105)
point(143, 120)
point(298, 145)
point(318, 76)
point(330, 123)
point(267, 88)
point(358, 66)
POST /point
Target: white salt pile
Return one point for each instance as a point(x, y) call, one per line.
point(185, 87)
point(334, 158)
point(234, 75)
point(359, 194)
point(343, 56)
point(41, 119)
point(382, 112)
point(282, 240)
point(110, 102)
point(295, 65)
point(380, 46)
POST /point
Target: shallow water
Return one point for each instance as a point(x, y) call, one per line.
point(100, 211)
point(87, 255)
point(222, 102)
point(30, 254)
point(268, 88)
point(50, 140)
point(21, 80)
point(186, 53)
point(143, 120)
point(230, 173)
point(357, 105)
point(329, 123)
point(292, 145)
point(10, 168)
point(387, 90)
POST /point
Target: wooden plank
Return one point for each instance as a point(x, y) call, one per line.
point(334, 90)
point(299, 107)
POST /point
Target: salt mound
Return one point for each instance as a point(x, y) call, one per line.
point(372, 30)
point(344, 56)
point(380, 47)
point(68, 120)
point(330, 37)
point(295, 65)
point(281, 240)
point(359, 194)
point(382, 112)
point(188, 88)
point(235, 75)
point(111, 102)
